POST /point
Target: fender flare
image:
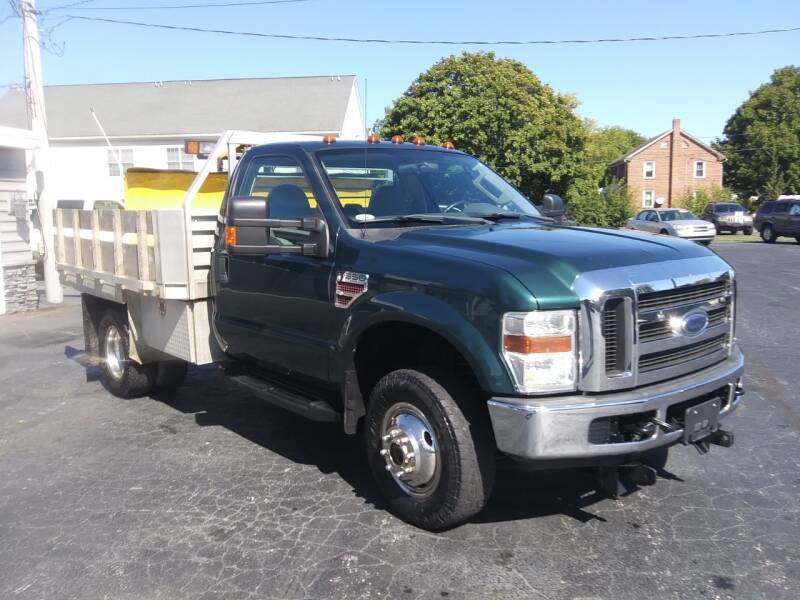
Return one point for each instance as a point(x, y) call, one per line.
point(429, 313)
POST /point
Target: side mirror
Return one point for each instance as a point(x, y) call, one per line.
point(248, 230)
point(553, 206)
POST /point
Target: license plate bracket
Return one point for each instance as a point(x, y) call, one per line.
point(701, 420)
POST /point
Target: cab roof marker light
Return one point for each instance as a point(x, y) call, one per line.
point(373, 138)
point(329, 139)
point(398, 139)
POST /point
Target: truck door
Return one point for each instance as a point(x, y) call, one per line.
point(276, 308)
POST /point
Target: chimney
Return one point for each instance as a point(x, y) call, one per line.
point(674, 149)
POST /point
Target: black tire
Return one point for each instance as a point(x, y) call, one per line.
point(171, 375)
point(768, 234)
point(128, 379)
point(657, 459)
point(706, 242)
point(461, 437)
point(664, 232)
point(747, 231)
point(797, 239)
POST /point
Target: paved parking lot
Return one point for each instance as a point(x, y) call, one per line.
point(210, 493)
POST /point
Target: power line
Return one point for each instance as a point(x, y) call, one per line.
point(177, 6)
point(442, 42)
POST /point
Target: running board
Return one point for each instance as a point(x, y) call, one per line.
point(315, 410)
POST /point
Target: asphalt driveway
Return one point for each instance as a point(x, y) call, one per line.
point(209, 493)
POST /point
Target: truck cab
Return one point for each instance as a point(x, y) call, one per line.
point(411, 295)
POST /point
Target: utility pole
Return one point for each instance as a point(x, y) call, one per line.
point(37, 121)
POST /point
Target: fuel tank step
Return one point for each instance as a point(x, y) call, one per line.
point(310, 408)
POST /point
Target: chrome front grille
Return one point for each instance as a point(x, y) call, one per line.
point(682, 296)
point(664, 348)
point(636, 328)
point(681, 355)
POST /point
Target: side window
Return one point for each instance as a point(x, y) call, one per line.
point(649, 169)
point(699, 169)
point(795, 210)
point(766, 208)
point(651, 216)
point(781, 208)
point(282, 180)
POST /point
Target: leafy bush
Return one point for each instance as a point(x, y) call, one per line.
point(591, 207)
point(697, 201)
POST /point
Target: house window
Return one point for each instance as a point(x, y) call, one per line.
point(117, 156)
point(178, 160)
point(647, 198)
point(700, 169)
point(649, 169)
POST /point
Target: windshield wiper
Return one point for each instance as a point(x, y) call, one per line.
point(423, 218)
point(497, 216)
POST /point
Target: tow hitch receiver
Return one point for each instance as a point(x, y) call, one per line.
point(719, 438)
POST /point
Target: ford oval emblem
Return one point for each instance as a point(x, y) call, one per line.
point(694, 323)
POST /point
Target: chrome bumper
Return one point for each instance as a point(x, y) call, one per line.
point(558, 428)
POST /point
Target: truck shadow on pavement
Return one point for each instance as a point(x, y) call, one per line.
point(519, 493)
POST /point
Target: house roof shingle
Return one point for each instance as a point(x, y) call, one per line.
point(281, 104)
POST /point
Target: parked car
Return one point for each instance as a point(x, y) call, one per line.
point(728, 216)
point(674, 221)
point(778, 217)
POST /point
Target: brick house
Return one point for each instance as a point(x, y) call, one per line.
point(666, 167)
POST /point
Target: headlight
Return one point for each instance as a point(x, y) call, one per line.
point(539, 350)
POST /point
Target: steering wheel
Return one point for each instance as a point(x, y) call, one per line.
point(454, 206)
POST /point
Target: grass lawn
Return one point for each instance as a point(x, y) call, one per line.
point(736, 237)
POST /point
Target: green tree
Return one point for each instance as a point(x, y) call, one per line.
point(762, 139)
point(499, 111)
point(593, 206)
point(604, 146)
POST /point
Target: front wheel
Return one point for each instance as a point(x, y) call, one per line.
point(429, 447)
point(768, 234)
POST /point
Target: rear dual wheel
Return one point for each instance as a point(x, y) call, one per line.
point(124, 377)
point(430, 448)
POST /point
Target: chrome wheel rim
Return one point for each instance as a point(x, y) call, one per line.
point(114, 354)
point(410, 450)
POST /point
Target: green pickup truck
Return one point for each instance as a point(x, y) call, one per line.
point(411, 294)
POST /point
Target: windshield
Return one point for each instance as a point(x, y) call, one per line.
point(380, 184)
point(725, 208)
point(677, 215)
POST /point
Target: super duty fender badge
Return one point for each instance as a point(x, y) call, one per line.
point(349, 286)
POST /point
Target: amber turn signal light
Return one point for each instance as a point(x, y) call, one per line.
point(522, 344)
point(230, 236)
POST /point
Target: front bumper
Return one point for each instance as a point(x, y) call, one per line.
point(698, 236)
point(558, 428)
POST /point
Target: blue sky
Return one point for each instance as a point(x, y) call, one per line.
point(641, 85)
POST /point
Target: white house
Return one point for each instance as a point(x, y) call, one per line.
point(17, 187)
point(148, 123)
